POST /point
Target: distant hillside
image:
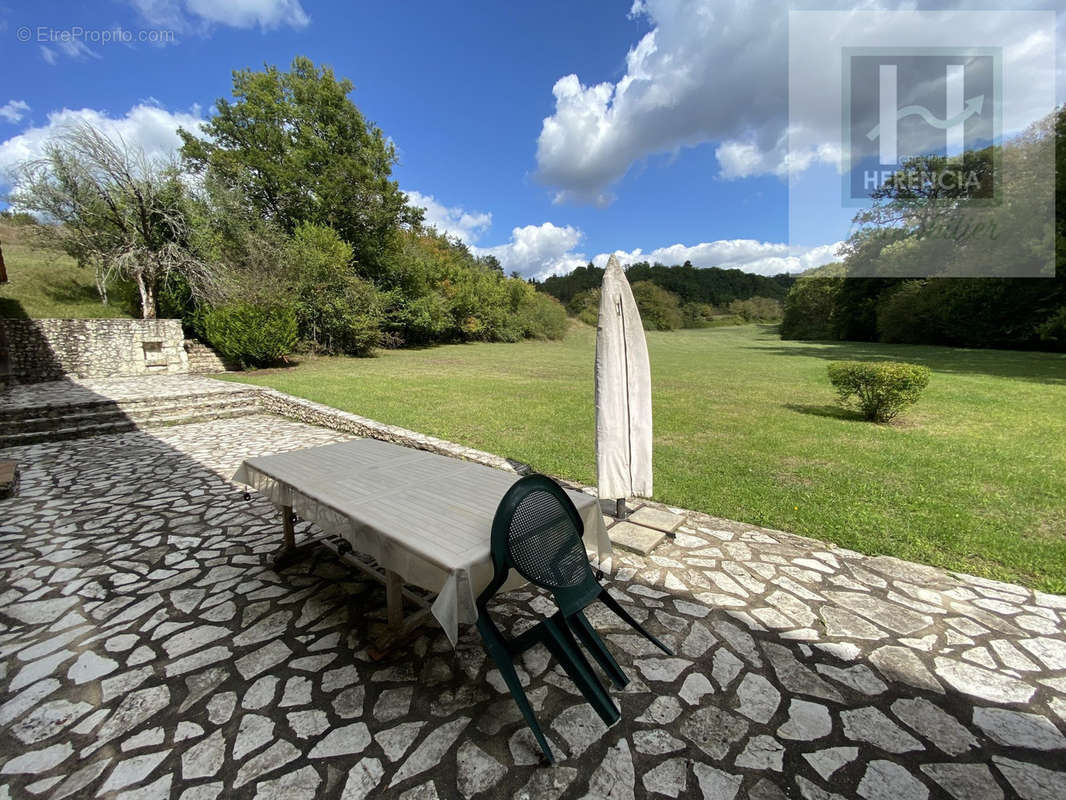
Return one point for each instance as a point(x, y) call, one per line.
point(712, 285)
point(46, 283)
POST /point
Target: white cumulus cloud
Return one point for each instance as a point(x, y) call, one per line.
point(537, 251)
point(148, 126)
point(711, 72)
point(467, 226)
point(749, 255)
point(14, 110)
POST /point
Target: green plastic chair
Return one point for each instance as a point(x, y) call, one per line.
point(537, 532)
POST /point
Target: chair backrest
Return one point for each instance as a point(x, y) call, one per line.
point(537, 531)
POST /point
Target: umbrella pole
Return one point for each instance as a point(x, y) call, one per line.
point(620, 508)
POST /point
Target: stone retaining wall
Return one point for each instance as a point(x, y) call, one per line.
point(275, 402)
point(48, 349)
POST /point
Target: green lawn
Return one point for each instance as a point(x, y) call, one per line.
point(973, 478)
point(45, 284)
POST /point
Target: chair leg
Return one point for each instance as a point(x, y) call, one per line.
point(580, 625)
point(566, 651)
point(496, 647)
point(614, 605)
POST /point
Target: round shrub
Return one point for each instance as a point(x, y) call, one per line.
point(878, 391)
point(254, 335)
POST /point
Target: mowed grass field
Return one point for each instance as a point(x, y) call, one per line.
point(973, 478)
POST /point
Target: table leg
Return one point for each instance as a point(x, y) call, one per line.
point(288, 549)
point(394, 599)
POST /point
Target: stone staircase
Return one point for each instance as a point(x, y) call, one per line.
point(40, 423)
point(204, 360)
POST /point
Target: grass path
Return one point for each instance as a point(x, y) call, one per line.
point(972, 479)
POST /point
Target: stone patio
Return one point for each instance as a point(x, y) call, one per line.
point(147, 649)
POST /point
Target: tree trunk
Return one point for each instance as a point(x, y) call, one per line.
point(101, 287)
point(147, 291)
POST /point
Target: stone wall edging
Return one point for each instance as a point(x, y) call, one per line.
point(275, 402)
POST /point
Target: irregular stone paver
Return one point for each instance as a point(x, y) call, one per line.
point(147, 646)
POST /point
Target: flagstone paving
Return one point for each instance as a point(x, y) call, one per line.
point(148, 649)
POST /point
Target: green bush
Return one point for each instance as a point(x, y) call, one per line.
point(697, 315)
point(586, 306)
point(660, 310)
point(336, 311)
point(757, 309)
point(254, 335)
point(878, 391)
point(541, 316)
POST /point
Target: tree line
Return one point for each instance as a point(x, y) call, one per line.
point(916, 222)
point(681, 296)
point(277, 228)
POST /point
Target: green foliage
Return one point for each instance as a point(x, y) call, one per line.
point(698, 315)
point(435, 290)
point(879, 391)
point(710, 285)
point(1053, 329)
point(809, 308)
point(255, 335)
point(908, 232)
point(660, 310)
point(17, 218)
point(540, 316)
point(296, 149)
point(586, 306)
point(114, 209)
point(336, 311)
point(757, 309)
point(47, 283)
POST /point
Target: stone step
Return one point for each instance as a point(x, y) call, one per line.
point(170, 408)
point(79, 431)
point(12, 415)
point(62, 434)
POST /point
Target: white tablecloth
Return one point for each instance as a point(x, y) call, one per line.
point(424, 516)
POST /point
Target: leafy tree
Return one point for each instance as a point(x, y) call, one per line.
point(115, 210)
point(336, 311)
point(297, 149)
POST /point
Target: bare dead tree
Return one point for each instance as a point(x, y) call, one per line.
point(115, 210)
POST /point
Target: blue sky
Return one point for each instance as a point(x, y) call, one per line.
point(647, 148)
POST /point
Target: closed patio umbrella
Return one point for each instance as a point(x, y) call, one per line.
point(623, 394)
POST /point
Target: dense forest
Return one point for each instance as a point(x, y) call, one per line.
point(678, 297)
point(858, 299)
point(713, 285)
